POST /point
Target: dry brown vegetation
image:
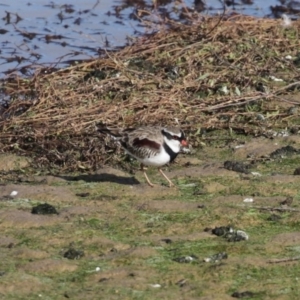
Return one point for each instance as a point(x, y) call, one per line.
point(213, 74)
point(114, 235)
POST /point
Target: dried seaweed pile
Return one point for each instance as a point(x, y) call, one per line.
point(236, 73)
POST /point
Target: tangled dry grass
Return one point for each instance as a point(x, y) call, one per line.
point(213, 74)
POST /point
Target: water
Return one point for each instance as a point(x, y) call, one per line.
point(55, 33)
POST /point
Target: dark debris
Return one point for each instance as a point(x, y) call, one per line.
point(73, 253)
point(83, 195)
point(283, 152)
point(274, 218)
point(167, 241)
point(297, 171)
point(230, 234)
point(245, 294)
point(216, 257)
point(44, 209)
point(237, 166)
point(288, 201)
point(186, 259)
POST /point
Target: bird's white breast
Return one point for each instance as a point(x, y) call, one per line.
point(158, 160)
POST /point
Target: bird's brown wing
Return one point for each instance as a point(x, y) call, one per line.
point(143, 141)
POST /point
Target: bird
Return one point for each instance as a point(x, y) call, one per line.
point(150, 145)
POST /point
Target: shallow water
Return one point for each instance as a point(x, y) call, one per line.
point(55, 33)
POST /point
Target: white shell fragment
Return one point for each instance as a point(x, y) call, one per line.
point(276, 79)
point(224, 90)
point(185, 150)
point(256, 174)
point(242, 234)
point(156, 285)
point(189, 258)
point(216, 257)
point(248, 200)
point(286, 20)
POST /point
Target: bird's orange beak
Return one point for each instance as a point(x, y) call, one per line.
point(184, 143)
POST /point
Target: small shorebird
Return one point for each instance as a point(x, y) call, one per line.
point(150, 145)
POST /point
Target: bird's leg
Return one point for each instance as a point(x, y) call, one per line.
point(163, 174)
point(145, 174)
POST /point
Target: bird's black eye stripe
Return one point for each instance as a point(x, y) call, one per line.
point(173, 137)
point(166, 134)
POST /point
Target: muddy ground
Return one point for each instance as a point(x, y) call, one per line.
point(114, 237)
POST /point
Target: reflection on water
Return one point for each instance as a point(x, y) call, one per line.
point(40, 33)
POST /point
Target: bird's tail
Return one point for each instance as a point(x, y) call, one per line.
point(102, 128)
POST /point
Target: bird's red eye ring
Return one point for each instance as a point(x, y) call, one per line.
point(175, 137)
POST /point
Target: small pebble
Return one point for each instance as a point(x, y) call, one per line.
point(260, 117)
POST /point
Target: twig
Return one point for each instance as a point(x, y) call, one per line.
point(245, 100)
point(280, 260)
point(276, 208)
point(235, 102)
point(286, 87)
